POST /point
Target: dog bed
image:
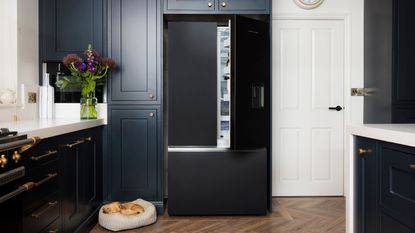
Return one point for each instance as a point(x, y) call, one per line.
point(119, 222)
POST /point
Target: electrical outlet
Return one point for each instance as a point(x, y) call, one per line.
point(31, 97)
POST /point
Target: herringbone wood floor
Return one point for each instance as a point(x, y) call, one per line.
point(289, 215)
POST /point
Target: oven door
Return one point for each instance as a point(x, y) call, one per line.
point(11, 213)
point(11, 192)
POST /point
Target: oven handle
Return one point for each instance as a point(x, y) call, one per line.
point(17, 192)
point(26, 187)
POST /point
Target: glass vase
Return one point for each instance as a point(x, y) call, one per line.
point(89, 107)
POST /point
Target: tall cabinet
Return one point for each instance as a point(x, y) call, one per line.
point(135, 101)
point(389, 61)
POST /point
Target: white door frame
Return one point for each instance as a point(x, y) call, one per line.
point(347, 87)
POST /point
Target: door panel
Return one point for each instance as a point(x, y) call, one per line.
point(250, 80)
point(192, 5)
point(366, 183)
point(68, 26)
point(308, 60)
point(243, 5)
point(192, 78)
point(397, 197)
point(134, 154)
point(133, 44)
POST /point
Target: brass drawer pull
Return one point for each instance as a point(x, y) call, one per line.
point(363, 152)
point(49, 153)
point(40, 213)
point(48, 178)
point(53, 231)
point(81, 141)
point(412, 167)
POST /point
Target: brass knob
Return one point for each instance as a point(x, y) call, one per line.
point(151, 114)
point(53, 231)
point(3, 161)
point(363, 152)
point(412, 167)
point(16, 156)
point(210, 4)
point(151, 95)
point(223, 4)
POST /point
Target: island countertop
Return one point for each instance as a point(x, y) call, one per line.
point(403, 134)
point(51, 127)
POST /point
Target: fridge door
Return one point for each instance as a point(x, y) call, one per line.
point(251, 83)
point(192, 84)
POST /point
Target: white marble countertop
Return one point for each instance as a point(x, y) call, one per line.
point(51, 127)
point(403, 134)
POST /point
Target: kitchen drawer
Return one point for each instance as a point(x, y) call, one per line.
point(390, 225)
point(43, 215)
point(55, 227)
point(397, 179)
point(45, 179)
point(41, 153)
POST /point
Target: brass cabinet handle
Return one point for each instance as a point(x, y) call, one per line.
point(48, 178)
point(151, 114)
point(362, 151)
point(44, 210)
point(412, 167)
point(80, 141)
point(49, 153)
point(53, 231)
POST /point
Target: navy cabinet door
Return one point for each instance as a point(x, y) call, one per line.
point(365, 186)
point(186, 5)
point(134, 153)
point(133, 43)
point(82, 185)
point(244, 5)
point(397, 179)
point(68, 26)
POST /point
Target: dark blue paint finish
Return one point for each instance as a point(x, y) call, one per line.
point(136, 154)
point(217, 7)
point(384, 190)
point(134, 32)
point(68, 26)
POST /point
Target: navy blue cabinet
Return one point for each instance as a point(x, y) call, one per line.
point(365, 186)
point(186, 5)
point(384, 191)
point(217, 7)
point(68, 26)
point(81, 153)
point(244, 5)
point(134, 42)
point(136, 158)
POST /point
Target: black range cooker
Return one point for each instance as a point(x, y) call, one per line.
point(19, 184)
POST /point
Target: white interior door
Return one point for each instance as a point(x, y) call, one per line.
point(308, 66)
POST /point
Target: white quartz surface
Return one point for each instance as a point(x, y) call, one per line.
point(403, 134)
point(51, 127)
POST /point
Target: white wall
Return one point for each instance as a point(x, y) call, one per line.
point(25, 52)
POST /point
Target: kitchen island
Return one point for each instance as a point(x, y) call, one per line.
point(381, 194)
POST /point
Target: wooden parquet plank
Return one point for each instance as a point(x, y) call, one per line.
point(290, 215)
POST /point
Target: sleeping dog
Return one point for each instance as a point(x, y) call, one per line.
point(128, 208)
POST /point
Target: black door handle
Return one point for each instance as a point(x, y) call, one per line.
point(338, 108)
